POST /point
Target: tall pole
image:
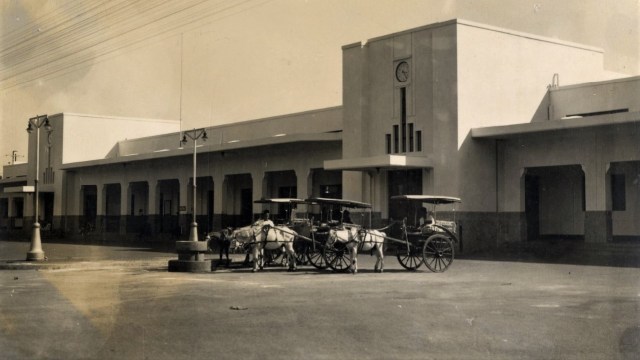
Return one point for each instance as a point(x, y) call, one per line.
point(193, 234)
point(194, 135)
point(35, 253)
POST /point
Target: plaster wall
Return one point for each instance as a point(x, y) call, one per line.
point(372, 100)
point(593, 149)
point(596, 97)
point(317, 121)
point(625, 222)
point(509, 86)
point(14, 171)
point(254, 161)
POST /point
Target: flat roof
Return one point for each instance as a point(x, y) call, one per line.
point(207, 148)
point(480, 26)
point(507, 131)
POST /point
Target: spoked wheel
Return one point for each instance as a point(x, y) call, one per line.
point(337, 257)
point(316, 258)
point(438, 252)
point(301, 253)
point(410, 259)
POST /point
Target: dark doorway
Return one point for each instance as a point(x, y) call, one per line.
point(532, 206)
point(89, 205)
point(403, 182)
point(246, 206)
point(18, 213)
point(47, 199)
point(209, 210)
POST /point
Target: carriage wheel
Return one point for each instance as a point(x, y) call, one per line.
point(337, 257)
point(410, 259)
point(301, 253)
point(438, 253)
point(316, 258)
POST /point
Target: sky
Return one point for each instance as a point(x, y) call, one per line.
point(272, 57)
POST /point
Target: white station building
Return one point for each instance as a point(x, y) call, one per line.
point(431, 110)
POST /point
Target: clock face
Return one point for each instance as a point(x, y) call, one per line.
point(402, 71)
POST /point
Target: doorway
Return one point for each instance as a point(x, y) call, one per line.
point(403, 182)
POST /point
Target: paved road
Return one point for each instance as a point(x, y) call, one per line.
point(130, 309)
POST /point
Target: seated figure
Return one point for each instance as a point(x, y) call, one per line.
point(264, 220)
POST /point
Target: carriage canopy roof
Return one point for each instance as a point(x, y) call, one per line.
point(281, 201)
point(429, 199)
point(340, 202)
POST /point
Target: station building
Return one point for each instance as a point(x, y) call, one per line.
point(454, 108)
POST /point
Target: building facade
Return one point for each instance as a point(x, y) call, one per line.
point(432, 110)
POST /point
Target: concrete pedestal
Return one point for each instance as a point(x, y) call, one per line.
point(190, 257)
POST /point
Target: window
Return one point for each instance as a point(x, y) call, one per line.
point(618, 193)
point(403, 117)
point(388, 143)
point(418, 140)
point(410, 137)
point(331, 191)
point(395, 139)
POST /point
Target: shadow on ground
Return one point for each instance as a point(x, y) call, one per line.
point(569, 252)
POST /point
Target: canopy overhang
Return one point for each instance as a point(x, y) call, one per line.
point(378, 162)
point(517, 130)
point(20, 189)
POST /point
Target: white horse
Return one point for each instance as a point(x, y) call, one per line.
point(356, 240)
point(268, 237)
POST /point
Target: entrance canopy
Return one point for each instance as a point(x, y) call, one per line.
point(19, 189)
point(515, 130)
point(378, 162)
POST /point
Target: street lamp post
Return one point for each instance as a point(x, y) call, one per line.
point(194, 135)
point(191, 252)
point(36, 253)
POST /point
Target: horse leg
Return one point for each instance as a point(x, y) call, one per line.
point(291, 255)
point(256, 258)
point(354, 260)
point(380, 260)
point(285, 259)
point(261, 256)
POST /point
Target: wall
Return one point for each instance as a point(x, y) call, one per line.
point(594, 150)
point(507, 86)
point(595, 97)
point(15, 170)
point(310, 122)
point(625, 222)
point(371, 99)
point(256, 162)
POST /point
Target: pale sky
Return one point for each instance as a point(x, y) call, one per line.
point(271, 57)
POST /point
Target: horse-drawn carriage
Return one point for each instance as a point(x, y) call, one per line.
point(289, 216)
point(341, 238)
point(335, 240)
point(431, 242)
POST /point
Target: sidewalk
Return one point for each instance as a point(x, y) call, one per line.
point(61, 255)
